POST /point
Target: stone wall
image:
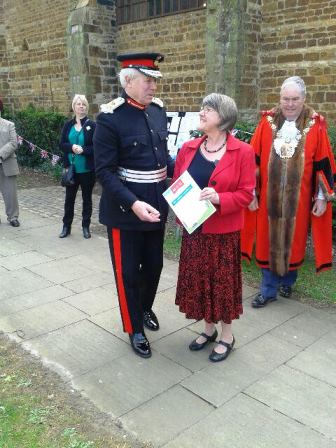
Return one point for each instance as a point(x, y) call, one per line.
point(182, 39)
point(36, 68)
point(232, 51)
point(299, 38)
point(245, 48)
point(52, 50)
point(91, 44)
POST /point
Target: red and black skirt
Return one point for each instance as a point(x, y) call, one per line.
point(209, 284)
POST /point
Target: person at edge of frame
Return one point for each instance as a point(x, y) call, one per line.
point(295, 181)
point(9, 169)
point(132, 164)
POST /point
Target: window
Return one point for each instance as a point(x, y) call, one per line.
point(135, 10)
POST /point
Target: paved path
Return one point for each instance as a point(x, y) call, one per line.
point(57, 297)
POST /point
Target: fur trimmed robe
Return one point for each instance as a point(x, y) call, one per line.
point(286, 190)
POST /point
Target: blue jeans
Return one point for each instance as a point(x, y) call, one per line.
point(270, 281)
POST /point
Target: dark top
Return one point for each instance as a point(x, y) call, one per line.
point(135, 138)
point(201, 169)
point(88, 129)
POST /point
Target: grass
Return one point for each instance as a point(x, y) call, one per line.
point(37, 410)
point(321, 288)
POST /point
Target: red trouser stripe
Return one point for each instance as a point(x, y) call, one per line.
point(120, 284)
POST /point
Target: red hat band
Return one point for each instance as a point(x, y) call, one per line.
point(139, 63)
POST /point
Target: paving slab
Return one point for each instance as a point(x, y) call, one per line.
point(98, 258)
point(249, 292)
point(62, 271)
point(168, 277)
point(299, 396)
point(93, 301)
point(110, 321)
point(91, 280)
point(65, 308)
point(304, 329)
point(32, 299)
point(171, 320)
point(14, 283)
point(246, 423)
point(52, 247)
point(40, 320)
point(275, 313)
point(22, 260)
point(9, 246)
point(318, 360)
point(245, 366)
point(166, 416)
point(79, 348)
point(128, 382)
point(254, 323)
point(175, 347)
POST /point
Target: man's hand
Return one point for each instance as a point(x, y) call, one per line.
point(254, 205)
point(145, 212)
point(319, 207)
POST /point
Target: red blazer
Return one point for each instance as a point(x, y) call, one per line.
point(233, 179)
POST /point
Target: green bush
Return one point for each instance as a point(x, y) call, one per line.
point(245, 131)
point(43, 129)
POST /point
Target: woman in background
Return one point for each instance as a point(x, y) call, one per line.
point(76, 143)
point(209, 285)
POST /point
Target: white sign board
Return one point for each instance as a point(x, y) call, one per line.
point(179, 126)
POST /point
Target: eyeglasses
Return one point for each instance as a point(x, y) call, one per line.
point(207, 109)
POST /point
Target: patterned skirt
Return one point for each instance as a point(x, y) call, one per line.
point(209, 284)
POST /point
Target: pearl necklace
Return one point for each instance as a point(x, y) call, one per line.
point(216, 150)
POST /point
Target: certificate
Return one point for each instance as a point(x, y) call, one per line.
point(183, 197)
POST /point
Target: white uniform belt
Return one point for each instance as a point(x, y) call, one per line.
point(146, 177)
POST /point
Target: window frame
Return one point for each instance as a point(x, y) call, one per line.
point(127, 12)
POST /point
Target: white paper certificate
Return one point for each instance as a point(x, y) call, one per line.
point(183, 197)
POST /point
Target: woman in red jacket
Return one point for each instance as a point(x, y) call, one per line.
point(209, 283)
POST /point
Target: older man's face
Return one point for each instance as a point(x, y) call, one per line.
point(141, 89)
point(291, 102)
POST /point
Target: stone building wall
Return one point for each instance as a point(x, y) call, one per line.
point(299, 38)
point(244, 48)
point(182, 39)
point(53, 49)
point(232, 51)
point(37, 64)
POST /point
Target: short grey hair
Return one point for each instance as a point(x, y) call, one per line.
point(295, 81)
point(81, 98)
point(226, 108)
point(130, 73)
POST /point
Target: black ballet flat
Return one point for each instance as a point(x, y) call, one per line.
point(194, 345)
point(217, 357)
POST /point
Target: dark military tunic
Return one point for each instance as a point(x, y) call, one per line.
point(134, 139)
point(130, 147)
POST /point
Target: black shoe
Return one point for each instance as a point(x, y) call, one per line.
point(260, 301)
point(86, 233)
point(150, 320)
point(285, 291)
point(140, 345)
point(194, 345)
point(216, 357)
point(65, 232)
point(14, 223)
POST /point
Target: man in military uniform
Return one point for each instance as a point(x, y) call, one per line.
point(132, 164)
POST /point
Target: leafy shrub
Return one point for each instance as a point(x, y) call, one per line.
point(43, 129)
point(245, 131)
